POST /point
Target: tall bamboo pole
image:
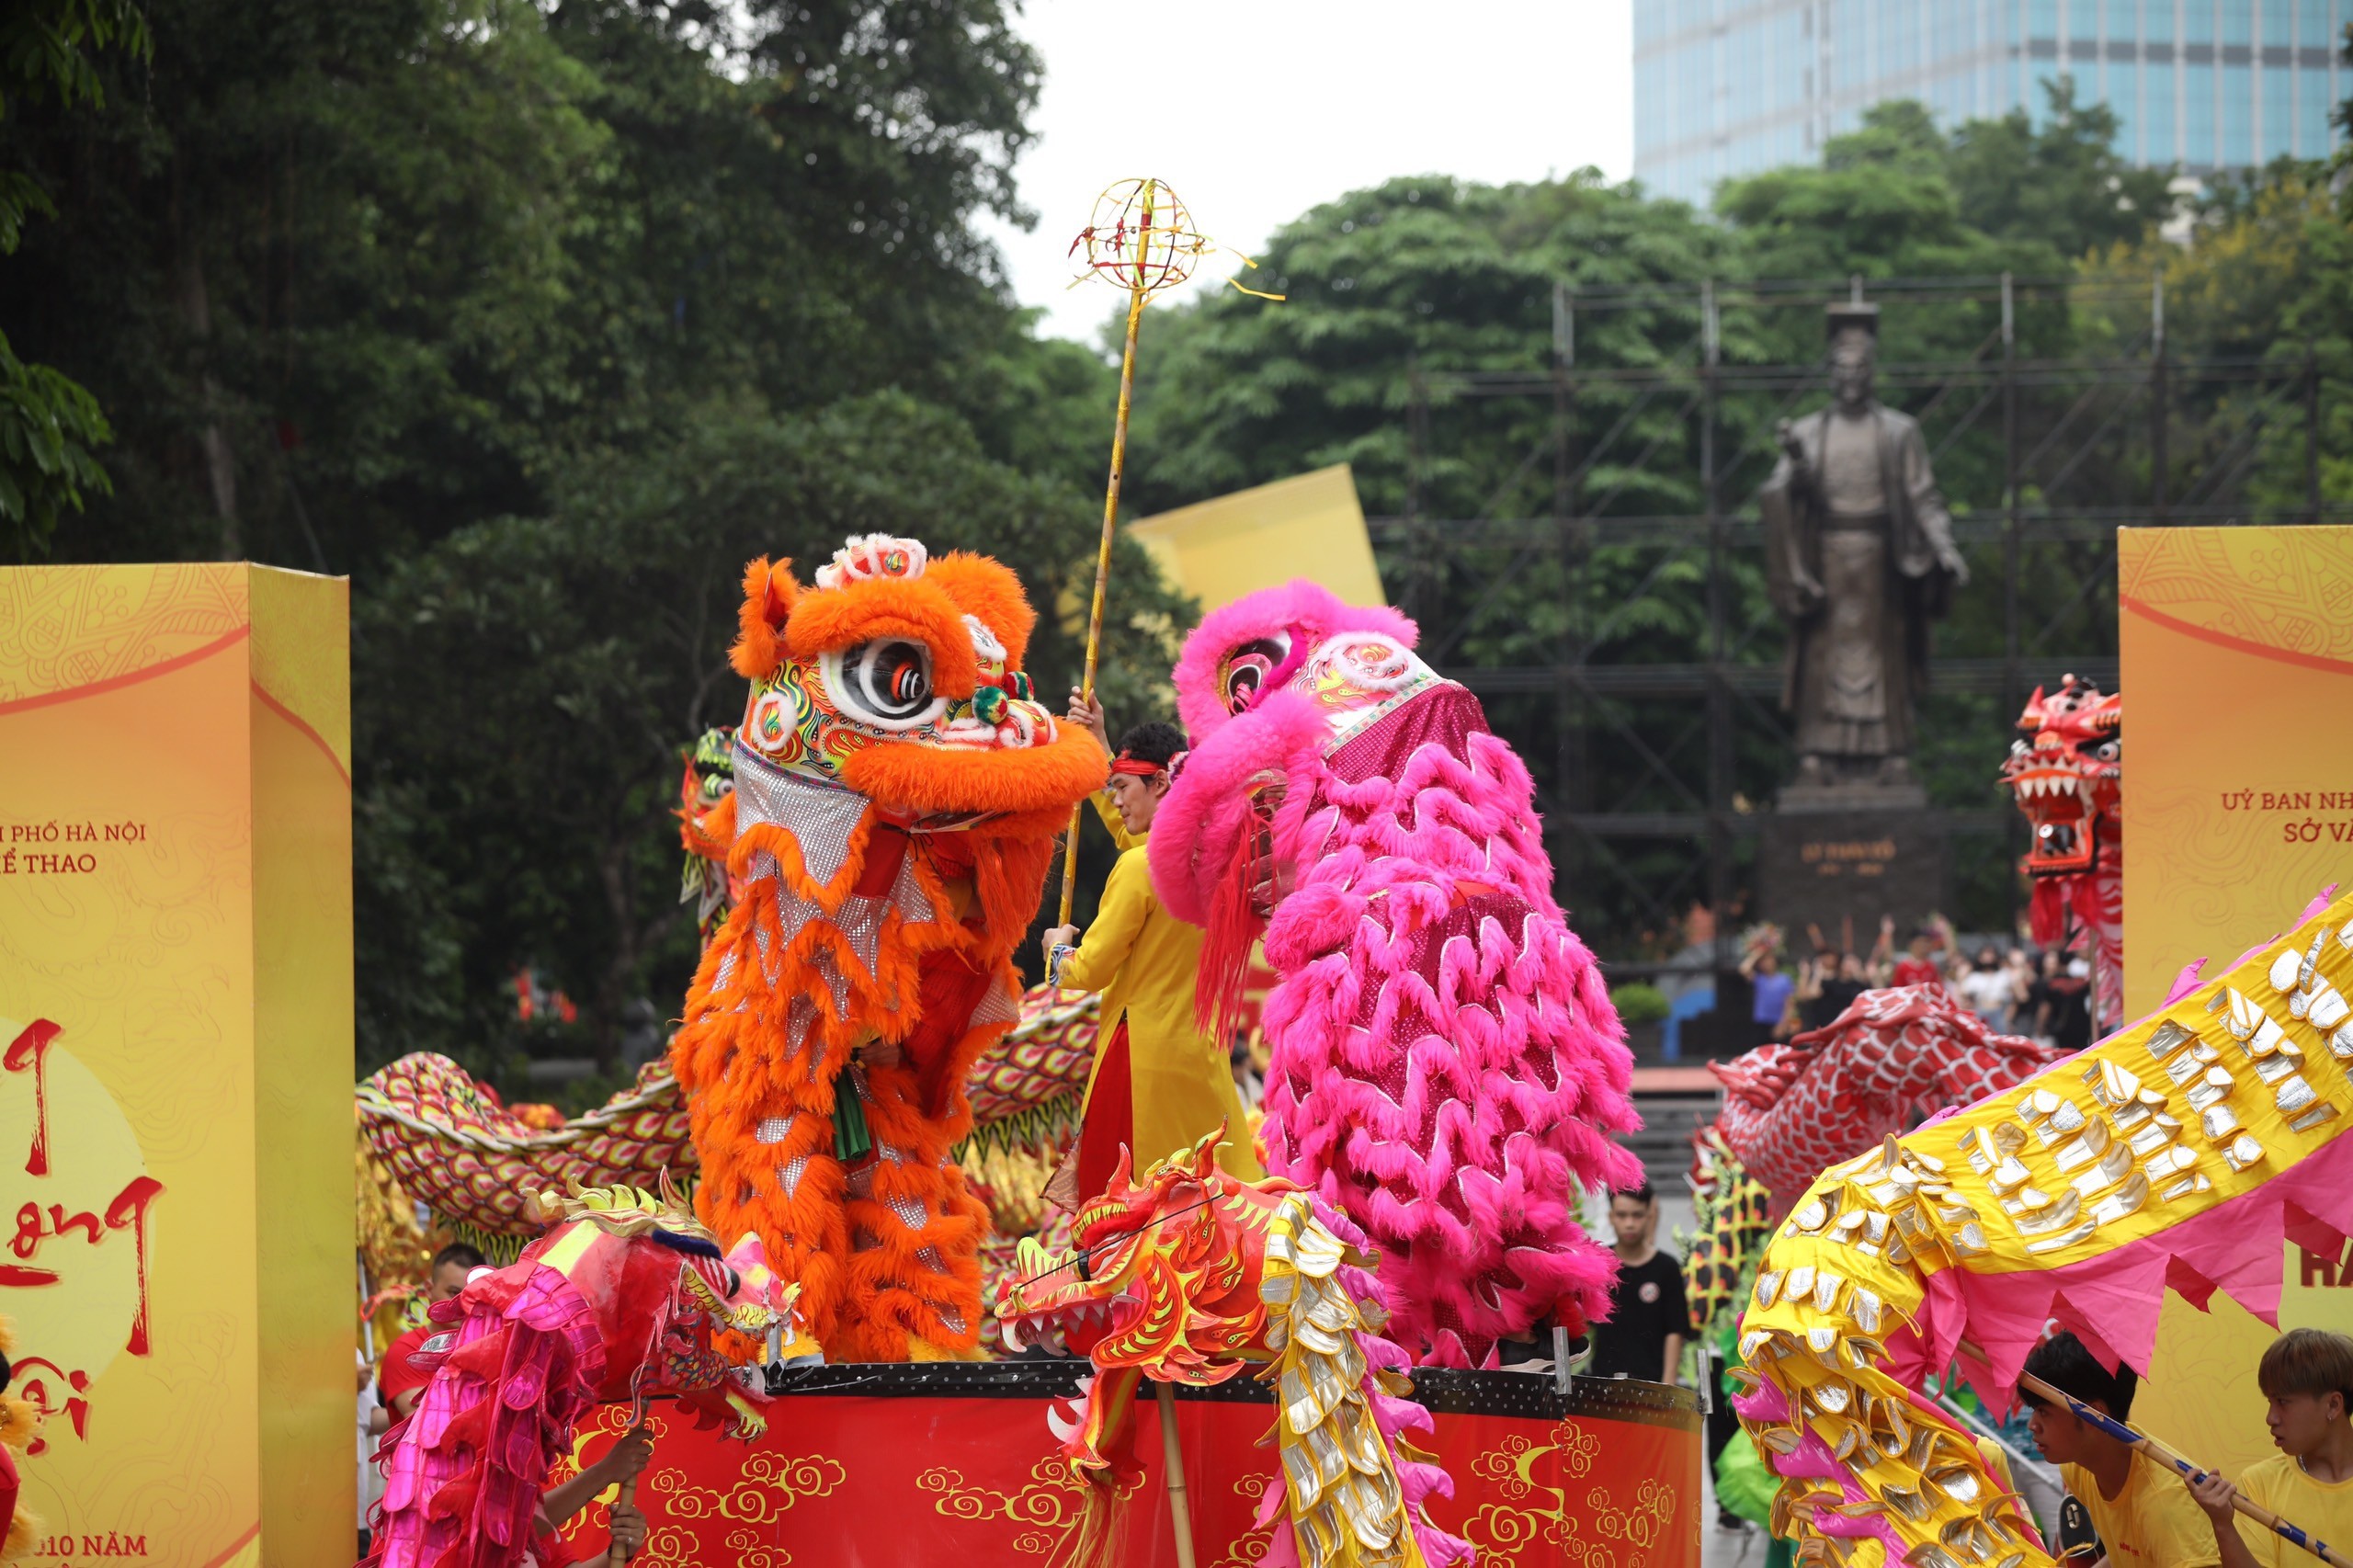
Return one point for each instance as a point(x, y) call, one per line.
point(1180, 1512)
point(628, 1499)
point(1137, 292)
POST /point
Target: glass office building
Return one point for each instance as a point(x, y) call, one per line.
point(1729, 87)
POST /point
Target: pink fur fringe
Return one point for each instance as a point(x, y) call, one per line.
point(1204, 820)
point(1447, 1064)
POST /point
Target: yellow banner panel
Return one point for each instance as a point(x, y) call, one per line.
point(2238, 808)
point(175, 1058)
point(1310, 526)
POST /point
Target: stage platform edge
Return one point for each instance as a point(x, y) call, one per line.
point(876, 1466)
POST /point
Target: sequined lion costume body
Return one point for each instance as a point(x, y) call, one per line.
point(897, 795)
point(2175, 1153)
point(1794, 1108)
point(619, 1301)
point(1447, 1065)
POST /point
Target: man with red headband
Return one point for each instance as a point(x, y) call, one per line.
point(1160, 1082)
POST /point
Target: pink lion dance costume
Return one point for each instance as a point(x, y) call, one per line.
point(1447, 1065)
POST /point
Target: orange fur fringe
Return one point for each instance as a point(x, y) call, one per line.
point(19, 1420)
point(887, 606)
point(711, 832)
point(988, 589)
point(895, 1271)
point(769, 593)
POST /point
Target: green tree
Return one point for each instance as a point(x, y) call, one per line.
point(2062, 184)
point(486, 303)
point(2264, 289)
point(531, 680)
point(49, 424)
point(348, 277)
point(1417, 346)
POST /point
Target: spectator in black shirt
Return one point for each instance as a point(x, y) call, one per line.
point(1648, 1318)
point(1846, 981)
point(2062, 1002)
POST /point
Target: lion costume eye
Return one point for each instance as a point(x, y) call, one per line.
point(886, 683)
point(1245, 669)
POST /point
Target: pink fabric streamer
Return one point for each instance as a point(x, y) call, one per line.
point(2113, 1302)
point(464, 1470)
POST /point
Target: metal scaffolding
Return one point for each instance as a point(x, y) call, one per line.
point(1666, 746)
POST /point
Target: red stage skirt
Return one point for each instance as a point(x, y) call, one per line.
point(869, 1466)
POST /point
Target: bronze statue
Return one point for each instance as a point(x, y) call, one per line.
point(1859, 556)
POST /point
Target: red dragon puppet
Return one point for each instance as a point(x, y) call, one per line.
point(1794, 1109)
point(1194, 1275)
point(2067, 775)
point(897, 792)
point(619, 1303)
point(1447, 1065)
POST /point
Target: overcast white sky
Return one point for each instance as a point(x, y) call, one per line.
point(1256, 112)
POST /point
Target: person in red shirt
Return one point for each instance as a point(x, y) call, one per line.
point(398, 1384)
point(1918, 967)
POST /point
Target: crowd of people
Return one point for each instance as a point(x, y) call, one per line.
point(2045, 994)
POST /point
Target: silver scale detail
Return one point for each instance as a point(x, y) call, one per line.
point(998, 1006)
point(820, 819)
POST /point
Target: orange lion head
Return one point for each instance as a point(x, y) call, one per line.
point(900, 678)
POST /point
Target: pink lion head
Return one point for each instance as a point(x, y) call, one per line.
point(1248, 650)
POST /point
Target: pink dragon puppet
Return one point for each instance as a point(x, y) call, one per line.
point(620, 1302)
point(1447, 1065)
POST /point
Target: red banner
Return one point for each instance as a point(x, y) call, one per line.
point(969, 1476)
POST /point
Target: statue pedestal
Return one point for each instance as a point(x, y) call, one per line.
point(1809, 798)
point(1835, 851)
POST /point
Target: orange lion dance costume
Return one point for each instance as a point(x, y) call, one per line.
point(897, 796)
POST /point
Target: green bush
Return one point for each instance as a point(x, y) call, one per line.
point(1639, 1003)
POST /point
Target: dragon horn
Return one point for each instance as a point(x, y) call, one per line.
point(669, 1190)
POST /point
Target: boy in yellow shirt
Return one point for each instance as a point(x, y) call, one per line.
point(2143, 1512)
point(2307, 1376)
point(1159, 1083)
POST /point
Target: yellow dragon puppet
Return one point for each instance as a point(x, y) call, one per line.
point(2176, 1152)
point(897, 794)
